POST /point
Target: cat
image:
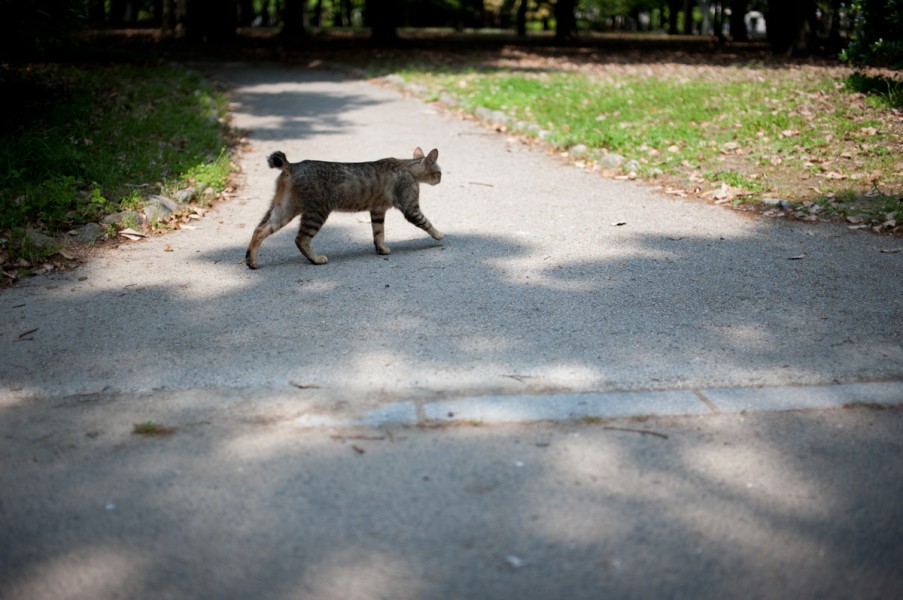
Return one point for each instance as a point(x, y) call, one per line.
point(314, 189)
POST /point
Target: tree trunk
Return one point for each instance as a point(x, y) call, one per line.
point(738, 23)
point(168, 19)
point(521, 22)
point(210, 20)
point(245, 13)
point(382, 17)
point(688, 17)
point(294, 19)
point(673, 11)
point(705, 7)
point(565, 21)
point(791, 26)
point(96, 12)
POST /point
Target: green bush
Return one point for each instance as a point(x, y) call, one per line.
point(877, 34)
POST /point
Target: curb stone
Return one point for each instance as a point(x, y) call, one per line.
point(604, 405)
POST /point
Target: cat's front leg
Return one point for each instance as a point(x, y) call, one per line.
point(377, 221)
point(415, 217)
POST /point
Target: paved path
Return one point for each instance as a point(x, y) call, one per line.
point(534, 307)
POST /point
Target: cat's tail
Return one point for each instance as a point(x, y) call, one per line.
point(278, 160)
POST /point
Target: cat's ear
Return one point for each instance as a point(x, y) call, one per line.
point(418, 153)
point(433, 156)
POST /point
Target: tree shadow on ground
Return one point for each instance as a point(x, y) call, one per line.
point(773, 505)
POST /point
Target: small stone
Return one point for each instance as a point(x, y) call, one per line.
point(483, 113)
point(40, 241)
point(90, 233)
point(515, 561)
point(500, 117)
point(123, 217)
point(611, 160)
point(185, 196)
point(631, 166)
point(578, 150)
point(157, 208)
point(415, 88)
point(448, 99)
point(779, 202)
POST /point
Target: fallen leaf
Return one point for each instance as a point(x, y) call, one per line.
point(890, 250)
point(167, 248)
point(619, 223)
point(799, 256)
point(132, 234)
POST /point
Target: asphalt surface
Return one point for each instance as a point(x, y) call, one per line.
point(434, 424)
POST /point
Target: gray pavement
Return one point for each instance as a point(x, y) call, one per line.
point(305, 461)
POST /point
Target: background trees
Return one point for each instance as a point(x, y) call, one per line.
point(793, 27)
point(876, 36)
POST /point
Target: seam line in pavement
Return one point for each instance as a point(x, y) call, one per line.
point(602, 405)
point(702, 397)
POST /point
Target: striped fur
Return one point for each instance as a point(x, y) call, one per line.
point(314, 189)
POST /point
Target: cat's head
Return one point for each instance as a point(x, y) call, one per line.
point(429, 170)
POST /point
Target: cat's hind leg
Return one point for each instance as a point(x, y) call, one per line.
point(310, 225)
point(378, 222)
point(277, 217)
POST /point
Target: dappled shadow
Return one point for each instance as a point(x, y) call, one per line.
point(550, 292)
point(774, 505)
point(459, 316)
point(281, 110)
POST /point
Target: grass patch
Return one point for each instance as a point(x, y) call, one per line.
point(592, 420)
point(800, 133)
point(80, 143)
point(151, 429)
point(884, 91)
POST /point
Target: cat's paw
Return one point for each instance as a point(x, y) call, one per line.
point(319, 260)
point(383, 250)
point(436, 235)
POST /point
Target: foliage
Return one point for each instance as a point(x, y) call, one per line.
point(97, 135)
point(887, 91)
point(742, 132)
point(38, 25)
point(878, 34)
point(151, 429)
point(78, 144)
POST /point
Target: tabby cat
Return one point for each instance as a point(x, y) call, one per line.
point(314, 189)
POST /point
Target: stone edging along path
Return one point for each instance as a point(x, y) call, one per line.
point(609, 405)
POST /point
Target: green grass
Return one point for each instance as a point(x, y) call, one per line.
point(802, 134)
point(151, 429)
point(86, 142)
